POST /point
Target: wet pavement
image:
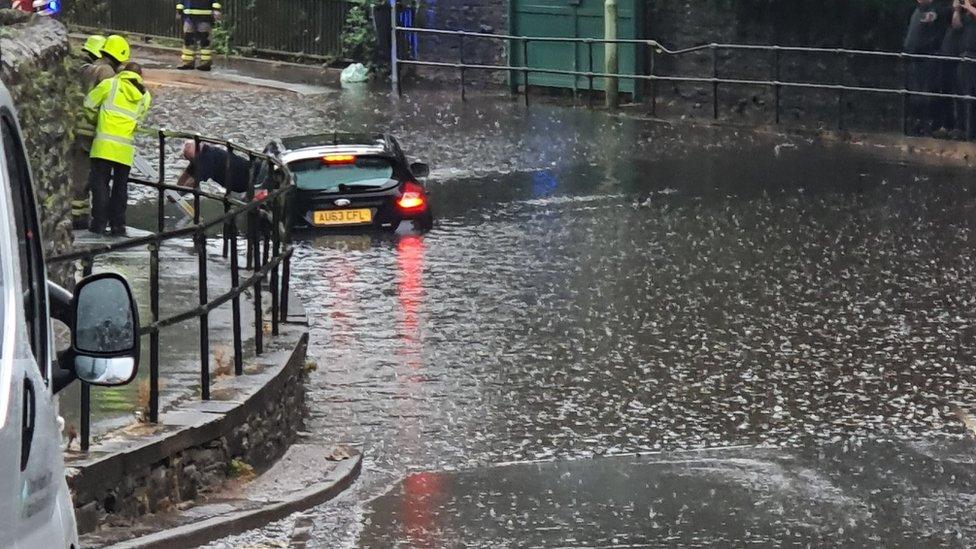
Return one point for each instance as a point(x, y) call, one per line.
point(114, 407)
point(599, 287)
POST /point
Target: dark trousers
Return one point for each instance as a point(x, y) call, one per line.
point(108, 205)
point(967, 86)
point(925, 113)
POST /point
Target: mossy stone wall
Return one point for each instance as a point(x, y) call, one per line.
point(39, 72)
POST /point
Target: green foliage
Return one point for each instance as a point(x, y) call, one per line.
point(222, 38)
point(358, 35)
point(239, 469)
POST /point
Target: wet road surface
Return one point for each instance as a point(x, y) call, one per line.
point(619, 289)
point(787, 303)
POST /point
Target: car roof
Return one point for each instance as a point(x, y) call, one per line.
point(309, 146)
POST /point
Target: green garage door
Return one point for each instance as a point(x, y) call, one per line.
point(579, 19)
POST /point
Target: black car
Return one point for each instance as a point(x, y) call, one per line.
point(350, 181)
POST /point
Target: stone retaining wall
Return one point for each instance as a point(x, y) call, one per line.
point(871, 25)
point(37, 70)
point(250, 423)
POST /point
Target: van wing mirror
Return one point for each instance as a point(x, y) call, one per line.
point(105, 331)
point(419, 169)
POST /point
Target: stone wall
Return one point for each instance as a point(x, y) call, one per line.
point(214, 442)
point(37, 70)
point(868, 24)
point(485, 16)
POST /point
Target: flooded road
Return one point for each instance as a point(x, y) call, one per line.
point(800, 302)
point(622, 336)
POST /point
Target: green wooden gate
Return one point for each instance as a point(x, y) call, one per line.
point(575, 19)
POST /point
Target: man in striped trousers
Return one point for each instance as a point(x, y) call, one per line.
point(198, 17)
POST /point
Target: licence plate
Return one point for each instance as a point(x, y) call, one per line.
point(342, 217)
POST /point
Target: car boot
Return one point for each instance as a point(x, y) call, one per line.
point(204, 66)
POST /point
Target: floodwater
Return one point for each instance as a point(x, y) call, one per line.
point(795, 303)
point(619, 335)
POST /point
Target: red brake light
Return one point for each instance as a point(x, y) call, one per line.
point(412, 197)
point(338, 159)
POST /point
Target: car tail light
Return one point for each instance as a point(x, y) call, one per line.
point(338, 159)
point(412, 197)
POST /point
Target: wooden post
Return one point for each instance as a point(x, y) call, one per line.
point(611, 59)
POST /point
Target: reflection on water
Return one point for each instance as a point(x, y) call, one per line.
point(410, 293)
point(869, 495)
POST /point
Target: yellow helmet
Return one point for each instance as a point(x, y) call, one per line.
point(94, 45)
point(117, 48)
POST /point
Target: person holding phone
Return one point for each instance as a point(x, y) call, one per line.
point(926, 32)
point(967, 69)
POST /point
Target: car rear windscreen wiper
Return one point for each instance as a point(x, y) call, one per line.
point(343, 188)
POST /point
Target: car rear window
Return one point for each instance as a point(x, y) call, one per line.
point(320, 174)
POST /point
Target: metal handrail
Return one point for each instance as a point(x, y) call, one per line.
point(664, 49)
point(267, 253)
point(776, 82)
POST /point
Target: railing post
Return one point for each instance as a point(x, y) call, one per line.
point(840, 109)
point(254, 221)
point(84, 441)
point(525, 70)
point(461, 57)
point(653, 83)
point(196, 190)
point(394, 53)
point(201, 244)
point(286, 263)
point(154, 335)
point(776, 87)
point(225, 250)
point(589, 52)
point(904, 96)
point(160, 200)
point(714, 49)
point(275, 251)
point(235, 281)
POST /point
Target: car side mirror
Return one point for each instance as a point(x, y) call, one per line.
point(105, 331)
point(419, 169)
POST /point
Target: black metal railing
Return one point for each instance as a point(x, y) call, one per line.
point(776, 82)
point(268, 252)
point(306, 28)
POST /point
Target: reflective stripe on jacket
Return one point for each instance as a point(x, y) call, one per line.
point(93, 73)
point(117, 106)
point(198, 7)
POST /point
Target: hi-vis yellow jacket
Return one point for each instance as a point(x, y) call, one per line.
point(115, 107)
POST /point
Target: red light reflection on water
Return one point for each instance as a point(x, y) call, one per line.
point(410, 295)
point(423, 494)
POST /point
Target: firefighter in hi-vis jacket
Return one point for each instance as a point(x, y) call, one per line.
point(198, 17)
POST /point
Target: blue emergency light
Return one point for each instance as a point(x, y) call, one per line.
point(47, 7)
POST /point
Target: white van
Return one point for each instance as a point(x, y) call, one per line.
point(35, 506)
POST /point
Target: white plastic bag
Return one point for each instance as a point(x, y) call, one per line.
point(354, 74)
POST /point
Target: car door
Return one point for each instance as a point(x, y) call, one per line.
point(31, 450)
